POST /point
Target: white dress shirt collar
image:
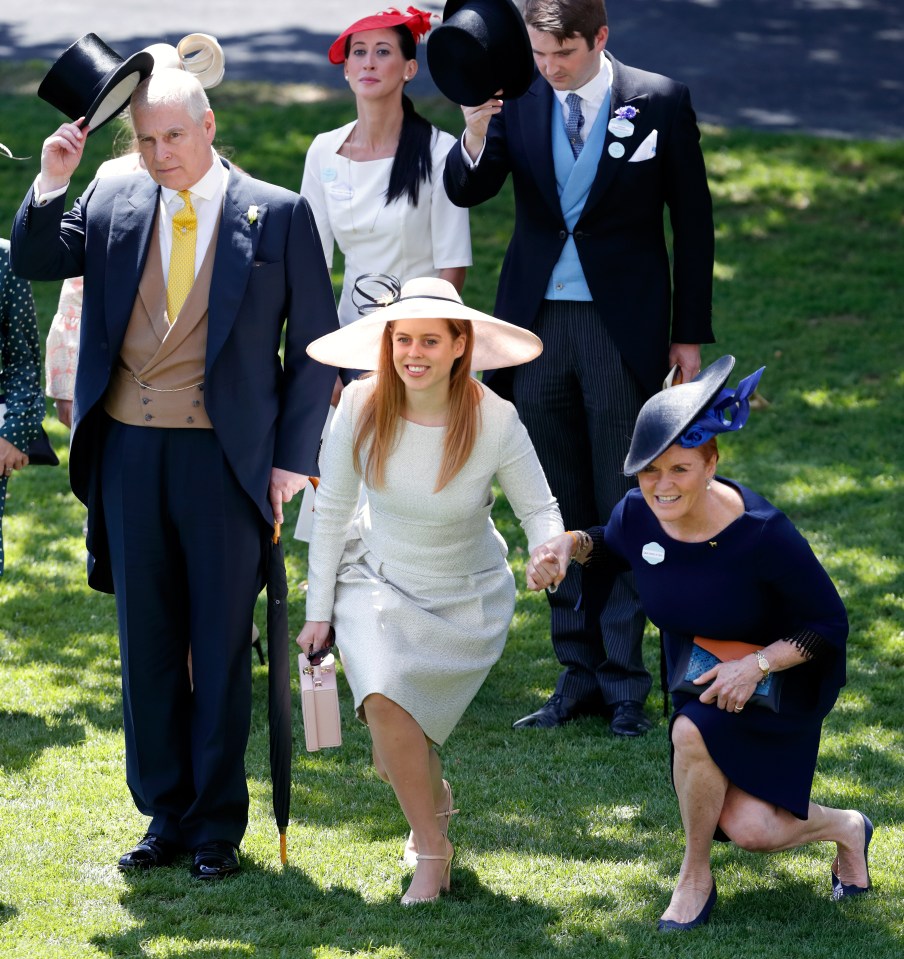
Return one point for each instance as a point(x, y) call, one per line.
point(594, 91)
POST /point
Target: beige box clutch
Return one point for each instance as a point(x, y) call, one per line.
point(319, 703)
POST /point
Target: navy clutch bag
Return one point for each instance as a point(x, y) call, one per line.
point(696, 659)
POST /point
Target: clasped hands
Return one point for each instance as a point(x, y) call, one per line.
point(548, 563)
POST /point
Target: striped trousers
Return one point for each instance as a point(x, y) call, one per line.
point(579, 404)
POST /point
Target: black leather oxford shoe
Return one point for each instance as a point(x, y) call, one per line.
point(150, 852)
point(629, 719)
point(215, 860)
point(556, 711)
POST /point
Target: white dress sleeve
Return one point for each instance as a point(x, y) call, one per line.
point(524, 483)
point(335, 506)
point(312, 191)
point(450, 226)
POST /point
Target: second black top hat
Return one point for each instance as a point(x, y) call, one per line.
point(481, 47)
point(93, 81)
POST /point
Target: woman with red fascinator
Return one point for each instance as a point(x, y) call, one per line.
point(375, 185)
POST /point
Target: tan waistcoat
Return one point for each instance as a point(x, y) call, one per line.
point(160, 377)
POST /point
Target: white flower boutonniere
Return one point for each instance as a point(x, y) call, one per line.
point(252, 214)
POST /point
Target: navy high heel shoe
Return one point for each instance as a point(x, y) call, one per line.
point(671, 925)
point(839, 889)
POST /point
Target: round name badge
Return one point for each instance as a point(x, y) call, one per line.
point(616, 149)
point(328, 174)
point(621, 127)
point(653, 553)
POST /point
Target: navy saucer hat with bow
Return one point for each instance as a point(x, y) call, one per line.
point(91, 80)
point(481, 47)
point(666, 415)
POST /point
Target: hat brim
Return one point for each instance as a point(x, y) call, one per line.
point(117, 88)
point(667, 414)
point(497, 344)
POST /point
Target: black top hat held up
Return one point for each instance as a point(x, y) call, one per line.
point(93, 81)
point(482, 46)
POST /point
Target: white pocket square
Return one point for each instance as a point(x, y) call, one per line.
point(646, 150)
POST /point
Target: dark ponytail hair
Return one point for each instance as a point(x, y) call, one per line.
point(413, 164)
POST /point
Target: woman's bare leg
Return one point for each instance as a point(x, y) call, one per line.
point(761, 827)
point(701, 787)
point(404, 756)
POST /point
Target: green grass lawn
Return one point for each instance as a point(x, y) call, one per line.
point(568, 840)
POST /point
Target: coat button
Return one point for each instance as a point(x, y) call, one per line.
point(579, 235)
point(195, 402)
point(189, 419)
point(145, 400)
point(148, 417)
point(563, 234)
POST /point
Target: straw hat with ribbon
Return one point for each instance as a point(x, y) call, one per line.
point(357, 346)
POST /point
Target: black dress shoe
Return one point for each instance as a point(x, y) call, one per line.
point(556, 711)
point(629, 719)
point(215, 860)
point(150, 852)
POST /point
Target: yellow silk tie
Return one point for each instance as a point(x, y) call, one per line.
point(182, 257)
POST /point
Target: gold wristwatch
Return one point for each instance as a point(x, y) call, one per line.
point(583, 545)
point(763, 663)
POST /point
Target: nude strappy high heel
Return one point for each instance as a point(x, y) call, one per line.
point(445, 883)
point(409, 855)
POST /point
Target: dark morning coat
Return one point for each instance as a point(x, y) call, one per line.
point(621, 235)
point(268, 274)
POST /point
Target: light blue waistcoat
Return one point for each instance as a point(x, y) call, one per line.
point(574, 178)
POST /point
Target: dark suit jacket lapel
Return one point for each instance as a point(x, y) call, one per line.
point(536, 131)
point(235, 251)
point(623, 93)
point(131, 229)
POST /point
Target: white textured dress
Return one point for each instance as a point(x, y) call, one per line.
point(416, 583)
point(348, 200)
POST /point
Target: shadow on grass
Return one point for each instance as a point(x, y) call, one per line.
point(285, 913)
point(23, 737)
point(7, 912)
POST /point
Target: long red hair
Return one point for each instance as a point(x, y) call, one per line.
point(379, 419)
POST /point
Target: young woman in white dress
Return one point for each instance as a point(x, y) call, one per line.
point(416, 584)
point(375, 185)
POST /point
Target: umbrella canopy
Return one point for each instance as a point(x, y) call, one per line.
point(280, 698)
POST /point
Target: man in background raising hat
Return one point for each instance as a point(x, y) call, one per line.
point(597, 150)
point(188, 435)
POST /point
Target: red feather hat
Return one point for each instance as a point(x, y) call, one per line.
point(417, 21)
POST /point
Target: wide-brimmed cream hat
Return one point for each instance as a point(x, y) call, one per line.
point(357, 346)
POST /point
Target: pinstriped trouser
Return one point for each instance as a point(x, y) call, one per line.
point(579, 404)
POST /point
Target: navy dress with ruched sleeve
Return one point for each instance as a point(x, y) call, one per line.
point(757, 581)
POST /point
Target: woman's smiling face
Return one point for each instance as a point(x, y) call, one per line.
point(674, 484)
point(423, 352)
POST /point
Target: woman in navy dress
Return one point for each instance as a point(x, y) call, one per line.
point(713, 559)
